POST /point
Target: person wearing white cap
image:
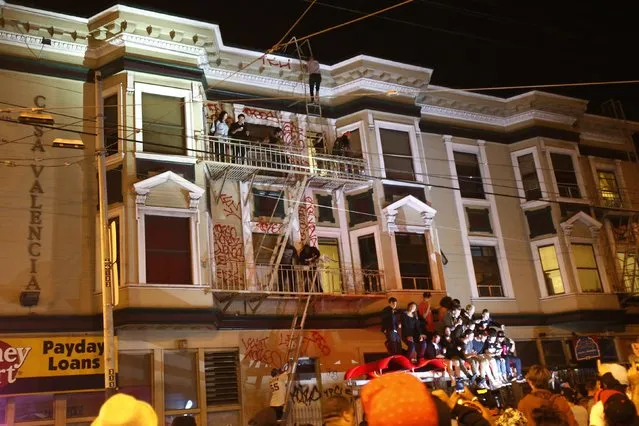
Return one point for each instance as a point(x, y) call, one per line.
point(612, 378)
point(124, 410)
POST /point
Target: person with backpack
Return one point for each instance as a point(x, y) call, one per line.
point(538, 378)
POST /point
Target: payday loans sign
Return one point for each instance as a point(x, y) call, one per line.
point(50, 364)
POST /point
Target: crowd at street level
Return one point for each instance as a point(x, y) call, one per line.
point(471, 349)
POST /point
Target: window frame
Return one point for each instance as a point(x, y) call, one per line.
point(479, 167)
point(574, 155)
point(396, 265)
point(361, 232)
point(595, 253)
point(613, 166)
point(488, 242)
point(541, 282)
point(175, 92)
point(418, 170)
point(486, 209)
point(193, 217)
point(117, 90)
point(363, 137)
point(514, 156)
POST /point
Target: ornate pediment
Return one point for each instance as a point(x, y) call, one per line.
point(426, 213)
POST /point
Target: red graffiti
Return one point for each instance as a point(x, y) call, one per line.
point(257, 350)
point(260, 114)
point(306, 213)
point(212, 110)
point(314, 338)
point(292, 134)
point(231, 207)
point(268, 227)
point(276, 63)
point(229, 254)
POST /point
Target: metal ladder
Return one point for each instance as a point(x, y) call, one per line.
point(293, 350)
point(280, 245)
point(630, 266)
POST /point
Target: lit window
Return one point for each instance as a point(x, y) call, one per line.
point(550, 268)
point(565, 175)
point(168, 250)
point(398, 159)
point(469, 175)
point(608, 189)
point(529, 178)
point(487, 272)
point(586, 264)
point(163, 124)
point(629, 270)
point(114, 236)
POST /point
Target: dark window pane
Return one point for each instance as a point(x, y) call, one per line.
point(367, 252)
point(554, 353)
point(180, 380)
point(469, 175)
point(361, 208)
point(263, 246)
point(163, 124)
point(148, 168)
point(114, 185)
point(394, 193)
point(398, 159)
point(268, 203)
point(111, 123)
point(568, 210)
point(565, 175)
point(487, 272)
point(325, 208)
point(479, 220)
point(540, 222)
point(607, 349)
point(529, 177)
point(168, 250)
point(412, 256)
point(135, 375)
point(29, 408)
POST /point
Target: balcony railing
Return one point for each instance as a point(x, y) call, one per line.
point(417, 283)
point(227, 152)
point(569, 190)
point(246, 277)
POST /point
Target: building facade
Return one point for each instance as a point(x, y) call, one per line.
point(524, 206)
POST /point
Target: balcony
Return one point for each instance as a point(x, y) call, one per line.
point(240, 277)
point(241, 160)
point(416, 283)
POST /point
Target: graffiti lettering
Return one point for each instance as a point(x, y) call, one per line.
point(268, 227)
point(229, 255)
point(314, 338)
point(276, 62)
point(257, 350)
point(260, 114)
point(308, 394)
point(306, 213)
point(231, 207)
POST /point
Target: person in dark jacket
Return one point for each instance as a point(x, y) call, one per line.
point(287, 279)
point(390, 327)
point(487, 322)
point(309, 256)
point(412, 333)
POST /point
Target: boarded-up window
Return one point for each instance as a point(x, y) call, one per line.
point(163, 124)
point(168, 250)
point(398, 159)
point(222, 378)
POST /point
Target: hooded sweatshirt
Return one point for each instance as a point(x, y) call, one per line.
point(541, 397)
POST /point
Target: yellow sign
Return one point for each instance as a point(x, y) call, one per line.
point(22, 358)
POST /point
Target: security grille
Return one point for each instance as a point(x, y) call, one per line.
point(222, 378)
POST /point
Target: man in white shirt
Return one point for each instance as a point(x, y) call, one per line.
point(314, 77)
point(278, 391)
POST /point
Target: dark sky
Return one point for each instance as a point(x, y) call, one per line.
point(468, 43)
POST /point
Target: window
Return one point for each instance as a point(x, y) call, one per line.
point(29, 408)
point(469, 175)
point(114, 236)
point(361, 208)
point(180, 380)
point(268, 203)
point(221, 370)
point(394, 193)
point(135, 375)
point(263, 246)
point(356, 143)
point(163, 124)
point(608, 189)
point(412, 256)
point(554, 353)
point(84, 404)
point(529, 178)
point(114, 185)
point(565, 175)
point(528, 352)
point(398, 159)
point(607, 349)
point(568, 210)
point(586, 265)
point(540, 222)
point(325, 208)
point(479, 220)
point(111, 123)
point(367, 252)
point(629, 271)
point(487, 272)
point(550, 268)
point(168, 250)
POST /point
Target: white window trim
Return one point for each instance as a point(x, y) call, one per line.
point(534, 246)
point(398, 273)
point(605, 288)
point(154, 89)
point(193, 216)
point(414, 148)
point(363, 138)
point(354, 235)
point(574, 154)
point(316, 207)
point(117, 90)
point(615, 167)
point(461, 203)
point(514, 156)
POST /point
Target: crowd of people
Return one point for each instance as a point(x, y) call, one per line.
point(472, 349)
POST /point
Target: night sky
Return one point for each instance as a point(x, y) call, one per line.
point(468, 43)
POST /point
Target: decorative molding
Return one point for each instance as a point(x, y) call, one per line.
point(150, 43)
point(593, 224)
point(17, 39)
point(143, 188)
point(426, 211)
point(603, 137)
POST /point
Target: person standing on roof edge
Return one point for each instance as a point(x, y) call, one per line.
point(390, 327)
point(314, 77)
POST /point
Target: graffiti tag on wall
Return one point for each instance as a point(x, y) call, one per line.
point(308, 394)
point(262, 349)
point(306, 213)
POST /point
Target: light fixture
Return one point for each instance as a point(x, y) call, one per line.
point(35, 118)
point(188, 405)
point(68, 143)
